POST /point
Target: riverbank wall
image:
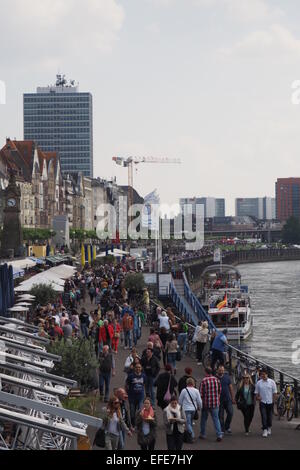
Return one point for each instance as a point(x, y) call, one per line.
point(195, 267)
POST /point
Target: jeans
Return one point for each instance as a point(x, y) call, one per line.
point(172, 359)
point(266, 412)
point(128, 339)
point(150, 389)
point(136, 336)
point(135, 406)
point(121, 445)
point(104, 379)
point(189, 423)
point(226, 406)
point(182, 341)
point(111, 442)
point(84, 331)
point(214, 412)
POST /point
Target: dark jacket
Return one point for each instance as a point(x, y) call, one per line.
point(182, 383)
point(162, 383)
point(126, 413)
point(141, 438)
point(151, 367)
point(106, 363)
point(239, 397)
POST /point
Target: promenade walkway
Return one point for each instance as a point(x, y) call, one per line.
point(284, 437)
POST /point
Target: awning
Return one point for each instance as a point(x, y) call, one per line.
point(22, 264)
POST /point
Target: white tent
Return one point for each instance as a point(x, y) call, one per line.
point(115, 253)
point(22, 264)
point(63, 272)
point(18, 309)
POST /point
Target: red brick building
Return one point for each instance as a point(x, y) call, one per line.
point(287, 198)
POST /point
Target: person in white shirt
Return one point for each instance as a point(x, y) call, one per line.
point(190, 400)
point(266, 391)
point(164, 321)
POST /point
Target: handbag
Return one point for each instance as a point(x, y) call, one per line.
point(168, 396)
point(196, 415)
point(100, 438)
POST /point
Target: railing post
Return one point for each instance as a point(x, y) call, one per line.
point(281, 382)
point(296, 393)
point(230, 361)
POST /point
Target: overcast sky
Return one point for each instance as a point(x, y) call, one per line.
point(208, 81)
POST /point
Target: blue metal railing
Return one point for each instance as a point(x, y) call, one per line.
point(195, 304)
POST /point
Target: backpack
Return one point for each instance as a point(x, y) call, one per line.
point(128, 323)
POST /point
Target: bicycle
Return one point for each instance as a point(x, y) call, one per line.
point(286, 403)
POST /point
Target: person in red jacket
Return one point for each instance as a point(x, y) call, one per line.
point(106, 334)
point(116, 337)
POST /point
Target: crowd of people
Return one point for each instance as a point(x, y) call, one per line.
point(150, 376)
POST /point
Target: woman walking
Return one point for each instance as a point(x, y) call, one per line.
point(201, 339)
point(113, 424)
point(174, 420)
point(146, 426)
point(245, 399)
point(171, 349)
point(166, 384)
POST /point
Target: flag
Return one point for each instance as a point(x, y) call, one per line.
point(90, 254)
point(150, 217)
point(94, 253)
point(82, 256)
point(222, 304)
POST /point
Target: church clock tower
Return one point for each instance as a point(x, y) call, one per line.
point(12, 236)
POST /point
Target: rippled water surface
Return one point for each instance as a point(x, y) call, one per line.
point(275, 295)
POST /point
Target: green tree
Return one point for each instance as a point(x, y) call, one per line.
point(78, 362)
point(291, 231)
point(44, 294)
point(135, 282)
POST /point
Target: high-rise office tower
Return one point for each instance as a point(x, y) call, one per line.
point(60, 118)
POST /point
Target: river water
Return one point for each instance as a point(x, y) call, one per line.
point(274, 290)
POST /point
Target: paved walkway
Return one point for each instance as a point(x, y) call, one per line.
point(284, 437)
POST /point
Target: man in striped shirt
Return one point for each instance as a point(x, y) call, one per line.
point(210, 391)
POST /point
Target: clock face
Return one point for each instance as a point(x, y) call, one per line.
point(11, 202)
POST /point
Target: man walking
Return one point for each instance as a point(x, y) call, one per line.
point(125, 413)
point(151, 368)
point(127, 325)
point(266, 392)
point(106, 371)
point(227, 400)
point(210, 391)
point(218, 349)
point(135, 387)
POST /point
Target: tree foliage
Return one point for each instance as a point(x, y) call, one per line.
point(38, 234)
point(44, 294)
point(78, 363)
point(135, 282)
point(291, 231)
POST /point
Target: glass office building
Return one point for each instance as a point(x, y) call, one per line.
point(60, 118)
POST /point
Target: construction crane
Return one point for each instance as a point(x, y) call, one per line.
point(131, 161)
